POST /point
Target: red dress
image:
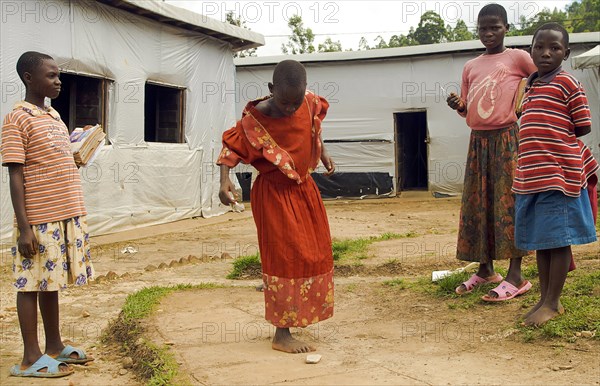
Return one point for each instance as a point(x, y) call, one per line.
point(293, 230)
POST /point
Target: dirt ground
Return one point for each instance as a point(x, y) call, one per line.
point(378, 335)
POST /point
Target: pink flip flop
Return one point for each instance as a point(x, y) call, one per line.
point(507, 291)
point(475, 281)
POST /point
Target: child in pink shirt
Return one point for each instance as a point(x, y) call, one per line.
point(488, 99)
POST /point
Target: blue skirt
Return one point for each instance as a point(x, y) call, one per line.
point(551, 219)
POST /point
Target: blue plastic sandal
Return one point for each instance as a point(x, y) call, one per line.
point(65, 356)
point(45, 362)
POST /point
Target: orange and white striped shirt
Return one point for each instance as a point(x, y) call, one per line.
point(39, 140)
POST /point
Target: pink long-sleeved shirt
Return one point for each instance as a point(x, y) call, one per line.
point(489, 87)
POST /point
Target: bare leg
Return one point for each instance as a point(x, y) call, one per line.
point(558, 267)
point(50, 316)
point(283, 341)
point(486, 270)
point(27, 312)
point(543, 263)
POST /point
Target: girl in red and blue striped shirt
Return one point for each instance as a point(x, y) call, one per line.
point(552, 209)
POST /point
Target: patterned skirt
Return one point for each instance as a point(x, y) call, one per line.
point(63, 257)
point(486, 230)
point(295, 250)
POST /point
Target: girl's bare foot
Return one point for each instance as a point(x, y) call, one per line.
point(541, 316)
point(283, 341)
point(561, 309)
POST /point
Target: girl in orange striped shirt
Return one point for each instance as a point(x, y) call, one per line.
point(50, 236)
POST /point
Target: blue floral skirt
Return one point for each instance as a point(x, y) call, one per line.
point(63, 257)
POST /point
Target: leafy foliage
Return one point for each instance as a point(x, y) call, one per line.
point(330, 46)
point(301, 41)
point(579, 16)
point(237, 21)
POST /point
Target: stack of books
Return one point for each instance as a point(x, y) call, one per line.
point(86, 144)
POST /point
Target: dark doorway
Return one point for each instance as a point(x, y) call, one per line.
point(411, 150)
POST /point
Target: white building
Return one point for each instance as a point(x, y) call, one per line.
point(146, 71)
point(389, 128)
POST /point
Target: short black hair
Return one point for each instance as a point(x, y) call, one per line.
point(290, 73)
point(553, 26)
point(29, 62)
point(494, 9)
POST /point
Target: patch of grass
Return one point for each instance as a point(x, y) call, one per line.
point(355, 249)
point(446, 287)
point(351, 248)
point(163, 365)
point(581, 299)
point(351, 287)
point(396, 283)
point(588, 257)
point(154, 364)
point(246, 267)
point(530, 272)
point(140, 304)
point(390, 236)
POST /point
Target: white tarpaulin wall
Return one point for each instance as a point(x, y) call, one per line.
point(589, 59)
point(365, 94)
point(131, 183)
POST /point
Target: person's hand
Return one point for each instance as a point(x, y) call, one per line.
point(27, 243)
point(227, 192)
point(455, 102)
point(328, 163)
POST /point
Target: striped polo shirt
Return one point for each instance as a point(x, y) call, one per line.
point(39, 140)
point(550, 158)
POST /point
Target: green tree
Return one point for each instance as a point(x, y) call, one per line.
point(431, 29)
point(460, 32)
point(396, 41)
point(529, 26)
point(380, 43)
point(579, 16)
point(301, 41)
point(330, 46)
point(544, 16)
point(584, 15)
point(237, 21)
point(363, 45)
point(403, 40)
point(516, 30)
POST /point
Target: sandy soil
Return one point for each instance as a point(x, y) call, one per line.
point(379, 335)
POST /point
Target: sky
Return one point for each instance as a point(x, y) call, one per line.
point(348, 20)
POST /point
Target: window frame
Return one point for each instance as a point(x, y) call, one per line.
point(105, 83)
point(181, 110)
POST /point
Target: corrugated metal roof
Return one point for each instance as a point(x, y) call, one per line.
point(239, 38)
point(421, 50)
